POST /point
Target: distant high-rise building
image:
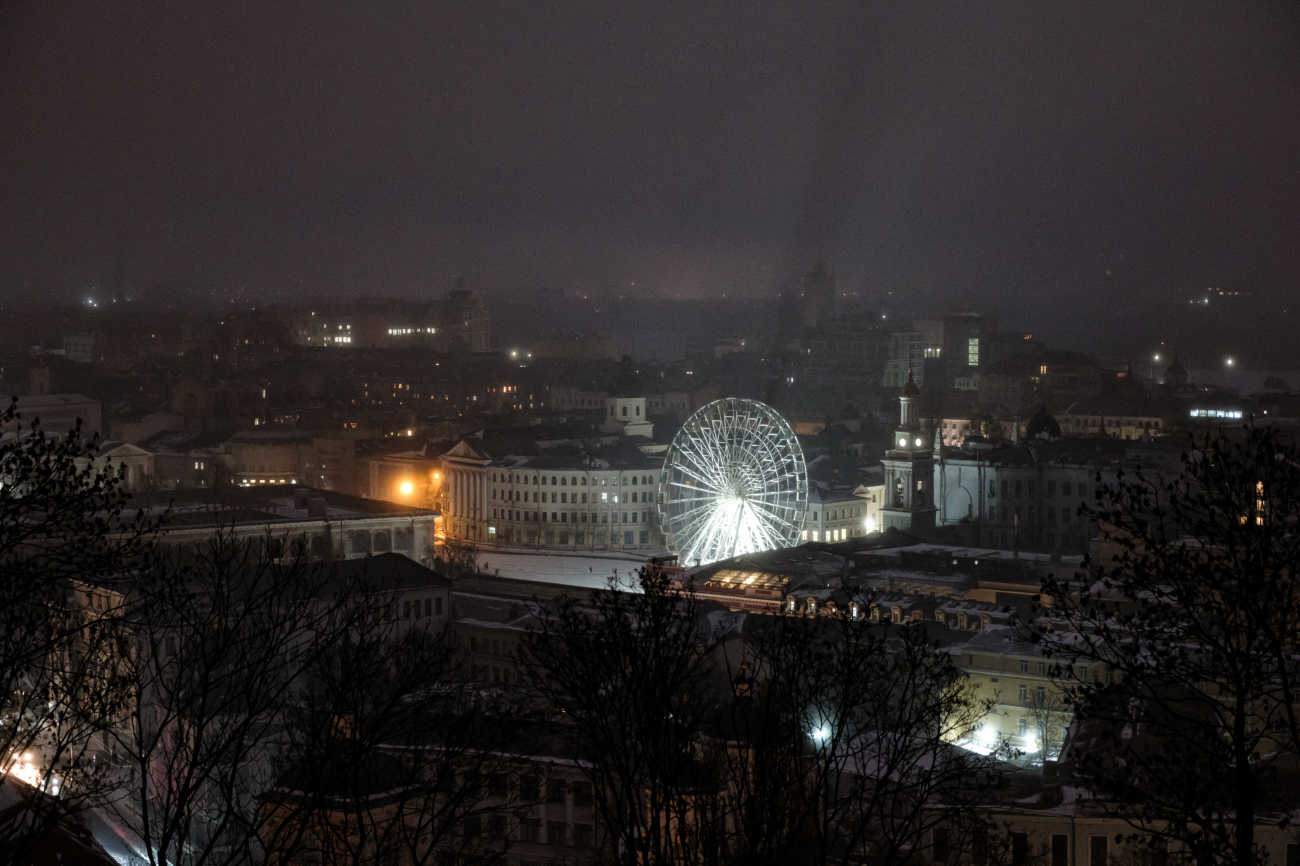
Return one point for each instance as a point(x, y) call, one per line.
point(818, 291)
point(83, 348)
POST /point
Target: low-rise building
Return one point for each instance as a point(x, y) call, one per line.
point(329, 525)
point(1028, 495)
point(1118, 422)
point(59, 413)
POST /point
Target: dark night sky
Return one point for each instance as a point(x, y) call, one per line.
point(967, 152)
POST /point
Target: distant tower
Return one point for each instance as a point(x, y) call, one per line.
point(909, 469)
point(818, 290)
point(1176, 375)
point(625, 408)
point(40, 375)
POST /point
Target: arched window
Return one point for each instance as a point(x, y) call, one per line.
point(360, 544)
point(382, 543)
point(403, 540)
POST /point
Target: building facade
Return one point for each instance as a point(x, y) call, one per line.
point(562, 499)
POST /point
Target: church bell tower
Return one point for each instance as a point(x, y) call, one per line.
point(909, 469)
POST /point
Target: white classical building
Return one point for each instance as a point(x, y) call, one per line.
point(561, 498)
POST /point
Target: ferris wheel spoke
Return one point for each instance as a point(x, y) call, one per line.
point(761, 535)
point(705, 465)
point(700, 523)
point(692, 521)
point(700, 484)
point(705, 458)
point(764, 528)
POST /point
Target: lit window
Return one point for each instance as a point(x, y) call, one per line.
point(973, 352)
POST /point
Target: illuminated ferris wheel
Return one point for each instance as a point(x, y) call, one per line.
point(735, 482)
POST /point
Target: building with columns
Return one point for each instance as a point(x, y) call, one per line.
point(464, 492)
point(563, 497)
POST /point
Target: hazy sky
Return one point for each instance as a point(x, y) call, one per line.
point(1064, 152)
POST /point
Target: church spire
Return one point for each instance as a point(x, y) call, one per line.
point(907, 404)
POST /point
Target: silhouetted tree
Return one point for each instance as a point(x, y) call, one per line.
point(223, 634)
point(839, 743)
point(627, 674)
point(1180, 643)
point(67, 538)
point(397, 754)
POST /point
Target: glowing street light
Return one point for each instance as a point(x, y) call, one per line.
point(407, 488)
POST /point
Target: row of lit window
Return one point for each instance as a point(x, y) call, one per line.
point(572, 481)
point(831, 535)
point(563, 516)
point(393, 332)
point(837, 513)
point(249, 482)
point(636, 496)
point(1216, 413)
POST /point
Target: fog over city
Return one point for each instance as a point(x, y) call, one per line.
point(1076, 158)
point(675, 434)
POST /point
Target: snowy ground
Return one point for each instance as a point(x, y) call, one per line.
point(591, 571)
